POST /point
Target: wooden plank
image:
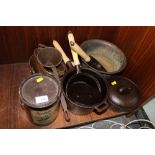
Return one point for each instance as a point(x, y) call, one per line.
point(5, 92)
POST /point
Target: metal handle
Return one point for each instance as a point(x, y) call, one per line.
point(54, 70)
point(32, 71)
point(102, 107)
point(64, 107)
point(38, 68)
point(69, 65)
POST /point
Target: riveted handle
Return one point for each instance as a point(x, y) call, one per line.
point(59, 48)
point(80, 51)
point(74, 54)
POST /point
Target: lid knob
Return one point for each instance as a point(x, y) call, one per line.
point(124, 90)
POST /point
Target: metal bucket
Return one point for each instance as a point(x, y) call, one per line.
point(40, 97)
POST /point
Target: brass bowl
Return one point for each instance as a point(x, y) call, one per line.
point(109, 55)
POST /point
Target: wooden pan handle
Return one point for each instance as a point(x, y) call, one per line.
point(80, 51)
point(59, 48)
point(74, 54)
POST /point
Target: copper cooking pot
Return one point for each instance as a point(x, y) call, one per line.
point(43, 58)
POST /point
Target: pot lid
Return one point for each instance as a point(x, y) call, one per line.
point(123, 92)
point(39, 91)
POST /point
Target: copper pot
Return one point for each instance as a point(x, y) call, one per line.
point(45, 60)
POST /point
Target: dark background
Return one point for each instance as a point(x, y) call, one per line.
point(138, 44)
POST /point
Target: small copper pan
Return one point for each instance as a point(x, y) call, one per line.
point(49, 58)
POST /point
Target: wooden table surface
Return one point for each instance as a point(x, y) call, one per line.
point(13, 116)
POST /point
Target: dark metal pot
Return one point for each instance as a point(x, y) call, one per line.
point(78, 108)
point(123, 94)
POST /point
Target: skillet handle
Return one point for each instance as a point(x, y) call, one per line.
point(80, 51)
point(102, 107)
point(64, 107)
point(74, 54)
point(69, 65)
